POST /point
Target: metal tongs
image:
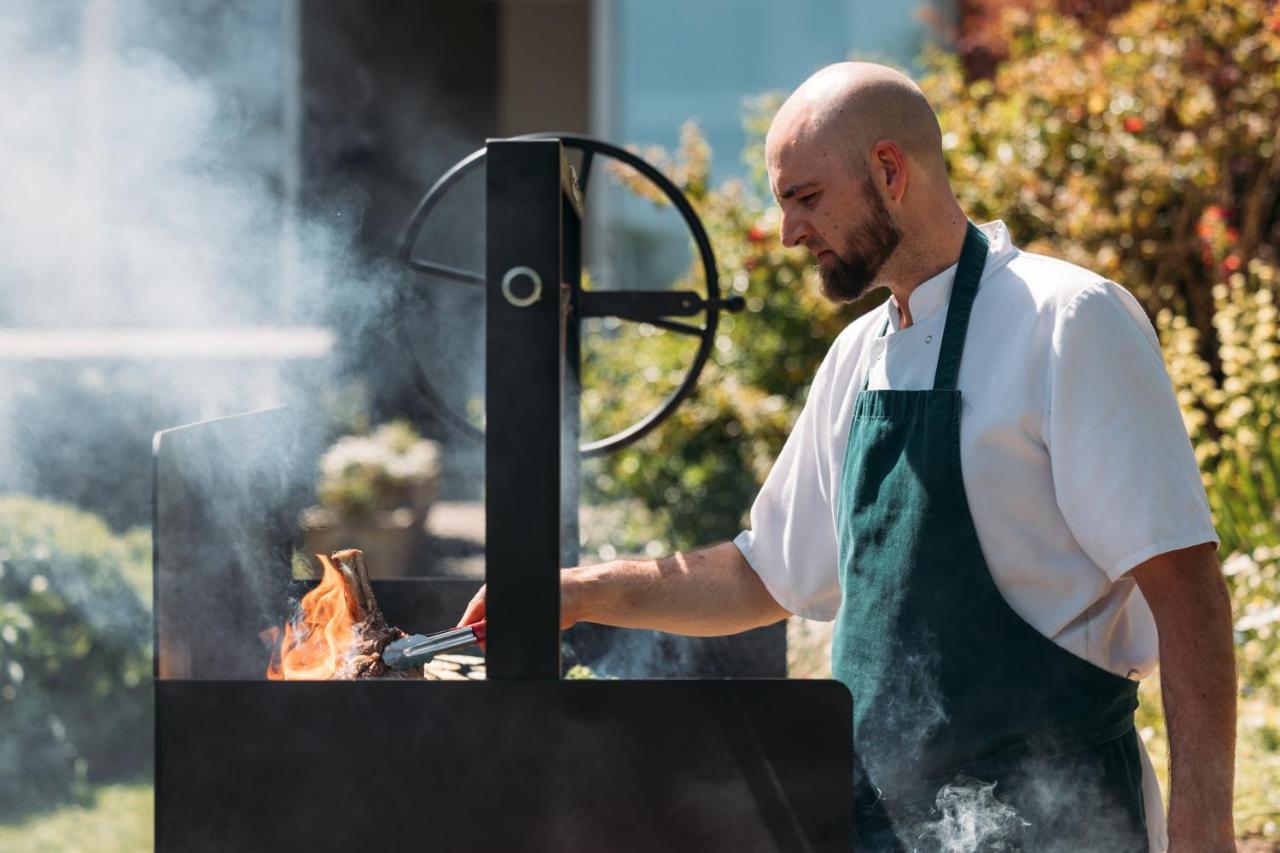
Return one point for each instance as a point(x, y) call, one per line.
point(417, 649)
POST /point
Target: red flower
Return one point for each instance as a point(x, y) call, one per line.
point(1232, 263)
point(756, 235)
point(1134, 124)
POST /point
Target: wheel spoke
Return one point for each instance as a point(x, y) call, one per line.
point(432, 268)
point(678, 328)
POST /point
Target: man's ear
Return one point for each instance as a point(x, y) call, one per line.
point(889, 168)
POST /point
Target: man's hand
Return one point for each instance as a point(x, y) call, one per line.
point(709, 592)
point(476, 606)
point(1189, 599)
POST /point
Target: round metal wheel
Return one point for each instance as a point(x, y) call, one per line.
point(655, 307)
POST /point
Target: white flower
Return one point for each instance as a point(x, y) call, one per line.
point(1237, 563)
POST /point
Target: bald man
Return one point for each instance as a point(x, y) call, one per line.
point(991, 491)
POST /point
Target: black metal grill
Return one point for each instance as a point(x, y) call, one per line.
point(525, 760)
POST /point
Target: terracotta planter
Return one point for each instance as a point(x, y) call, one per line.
point(391, 540)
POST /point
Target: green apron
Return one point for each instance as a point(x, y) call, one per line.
point(951, 688)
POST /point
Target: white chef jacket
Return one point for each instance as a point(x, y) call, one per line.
point(1074, 456)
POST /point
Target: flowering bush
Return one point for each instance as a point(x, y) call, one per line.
point(386, 470)
point(1233, 425)
point(1145, 153)
point(1231, 415)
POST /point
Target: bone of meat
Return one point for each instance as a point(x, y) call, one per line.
point(373, 634)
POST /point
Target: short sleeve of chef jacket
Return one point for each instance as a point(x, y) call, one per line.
point(792, 540)
point(1123, 471)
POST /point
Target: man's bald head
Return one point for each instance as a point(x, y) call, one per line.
point(855, 162)
point(850, 106)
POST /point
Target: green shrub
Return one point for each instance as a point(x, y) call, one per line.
point(1128, 151)
point(75, 671)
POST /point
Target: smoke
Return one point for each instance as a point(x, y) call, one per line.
point(1055, 806)
point(1050, 804)
point(162, 262)
point(893, 740)
point(628, 653)
point(971, 818)
point(132, 195)
point(156, 266)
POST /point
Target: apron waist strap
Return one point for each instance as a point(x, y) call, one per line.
point(1041, 749)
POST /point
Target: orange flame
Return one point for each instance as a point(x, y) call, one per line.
point(318, 642)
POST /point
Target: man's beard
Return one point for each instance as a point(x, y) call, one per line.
point(867, 246)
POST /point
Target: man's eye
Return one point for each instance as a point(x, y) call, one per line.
point(808, 200)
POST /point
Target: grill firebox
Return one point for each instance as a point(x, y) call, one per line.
point(525, 760)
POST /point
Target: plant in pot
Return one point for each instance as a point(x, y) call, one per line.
point(374, 493)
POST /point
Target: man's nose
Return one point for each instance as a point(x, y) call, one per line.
point(794, 231)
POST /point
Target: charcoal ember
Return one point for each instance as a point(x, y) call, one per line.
point(443, 674)
point(462, 660)
point(451, 668)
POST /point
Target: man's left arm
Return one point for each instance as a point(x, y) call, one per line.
point(1188, 596)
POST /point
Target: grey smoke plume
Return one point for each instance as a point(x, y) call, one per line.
point(146, 213)
point(1061, 807)
point(971, 819)
point(136, 191)
point(156, 266)
point(901, 731)
point(644, 654)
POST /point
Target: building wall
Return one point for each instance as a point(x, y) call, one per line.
point(544, 66)
point(677, 60)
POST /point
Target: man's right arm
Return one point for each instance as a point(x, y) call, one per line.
point(709, 592)
point(715, 591)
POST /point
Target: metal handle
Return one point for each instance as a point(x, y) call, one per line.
point(509, 279)
point(418, 649)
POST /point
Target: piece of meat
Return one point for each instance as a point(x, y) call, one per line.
point(373, 634)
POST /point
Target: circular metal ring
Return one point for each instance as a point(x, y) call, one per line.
point(515, 273)
point(590, 147)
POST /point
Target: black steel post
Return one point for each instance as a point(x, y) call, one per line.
point(571, 399)
point(524, 398)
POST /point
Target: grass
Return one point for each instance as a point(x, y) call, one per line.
point(118, 820)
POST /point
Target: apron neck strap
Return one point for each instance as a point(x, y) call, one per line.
point(973, 257)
